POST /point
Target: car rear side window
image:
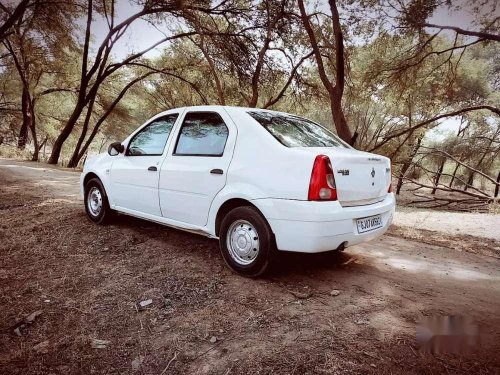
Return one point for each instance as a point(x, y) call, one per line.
point(151, 140)
point(202, 134)
point(294, 131)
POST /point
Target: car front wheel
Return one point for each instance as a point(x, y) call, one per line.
point(247, 242)
point(96, 202)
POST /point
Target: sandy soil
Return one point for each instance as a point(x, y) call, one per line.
point(474, 224)
point(86, 281)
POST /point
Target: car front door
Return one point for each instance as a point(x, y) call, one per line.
point(195, 169)
point(134, 174)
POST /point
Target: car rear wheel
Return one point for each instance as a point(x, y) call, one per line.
point(247, 242)
point(96, 202)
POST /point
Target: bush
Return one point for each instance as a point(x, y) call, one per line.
point(494, 207)
point(12, 152)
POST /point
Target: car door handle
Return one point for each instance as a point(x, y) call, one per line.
point(152, 168)
point(217, 171)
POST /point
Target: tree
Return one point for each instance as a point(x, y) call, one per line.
point(335, 89)
point(36, 41)
point(414, 14)
point(255, 55)
point(11, 16)
point(411, 23)
point(95, 71)
point(447, 85)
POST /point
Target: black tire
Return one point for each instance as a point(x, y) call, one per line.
point(105, 213)
point(266, 242)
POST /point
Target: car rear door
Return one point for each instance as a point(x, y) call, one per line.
point(195, 168)
point(134, 174)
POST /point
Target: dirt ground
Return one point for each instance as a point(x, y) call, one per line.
point(454, 223)
point(86, 280)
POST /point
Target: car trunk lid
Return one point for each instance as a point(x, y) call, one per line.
point(360, 177)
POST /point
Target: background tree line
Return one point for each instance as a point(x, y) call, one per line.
point(378, 72)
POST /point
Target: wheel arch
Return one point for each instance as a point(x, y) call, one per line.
point(229, 205)
point(89, 176)
point(232, 196)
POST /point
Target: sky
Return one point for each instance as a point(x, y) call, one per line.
point(442, 16)
point(141, 34)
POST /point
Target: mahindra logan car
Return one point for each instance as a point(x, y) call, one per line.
point(259, 181)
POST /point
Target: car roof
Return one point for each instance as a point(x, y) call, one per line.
point(231, 110)
point(219, 107)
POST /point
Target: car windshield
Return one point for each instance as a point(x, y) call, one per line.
point(294, 131)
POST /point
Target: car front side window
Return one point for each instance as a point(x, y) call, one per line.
point(202, 134)
point(151, 140)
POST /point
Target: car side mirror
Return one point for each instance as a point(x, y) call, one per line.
point(115, 148)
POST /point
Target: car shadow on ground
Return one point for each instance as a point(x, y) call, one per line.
point(286, 263)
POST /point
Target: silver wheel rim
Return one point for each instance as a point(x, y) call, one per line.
point(94, 201)
point(242, 242)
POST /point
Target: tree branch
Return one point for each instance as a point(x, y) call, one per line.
point(458, 30)
point(13, 17)
point(272, 102)
point(387, 138)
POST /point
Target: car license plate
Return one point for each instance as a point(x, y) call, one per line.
point(367, 224)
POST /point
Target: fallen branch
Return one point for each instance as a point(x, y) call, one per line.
point(447, 189)
point(456, 178)
point(462, 163)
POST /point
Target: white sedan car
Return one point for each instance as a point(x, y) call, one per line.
point(257, 180)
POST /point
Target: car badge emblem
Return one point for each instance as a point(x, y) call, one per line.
point(373, 172)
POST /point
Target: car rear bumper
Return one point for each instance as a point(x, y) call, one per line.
point(312, 227)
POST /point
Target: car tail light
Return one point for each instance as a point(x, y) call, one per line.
point(322, 184)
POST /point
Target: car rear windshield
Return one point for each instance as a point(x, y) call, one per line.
point(294, 131)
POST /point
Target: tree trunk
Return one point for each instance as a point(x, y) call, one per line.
point(340, 122)
point(44, 142)
point(44, 147)
point(438, 176)
point(29, 123)
point(36, 148)
point(12, 18)
point(454, 175)
point(65, 133)
point(335, 90)
point(338, 91)
point(497, 187)
point(79, 150)
point(22, 140)
point(88, 143)
point(82, 93)
point(404, 169)
point(470, 181)
point(73, 162)
point(407, 165)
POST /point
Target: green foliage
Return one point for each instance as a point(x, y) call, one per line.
point(396, 77)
